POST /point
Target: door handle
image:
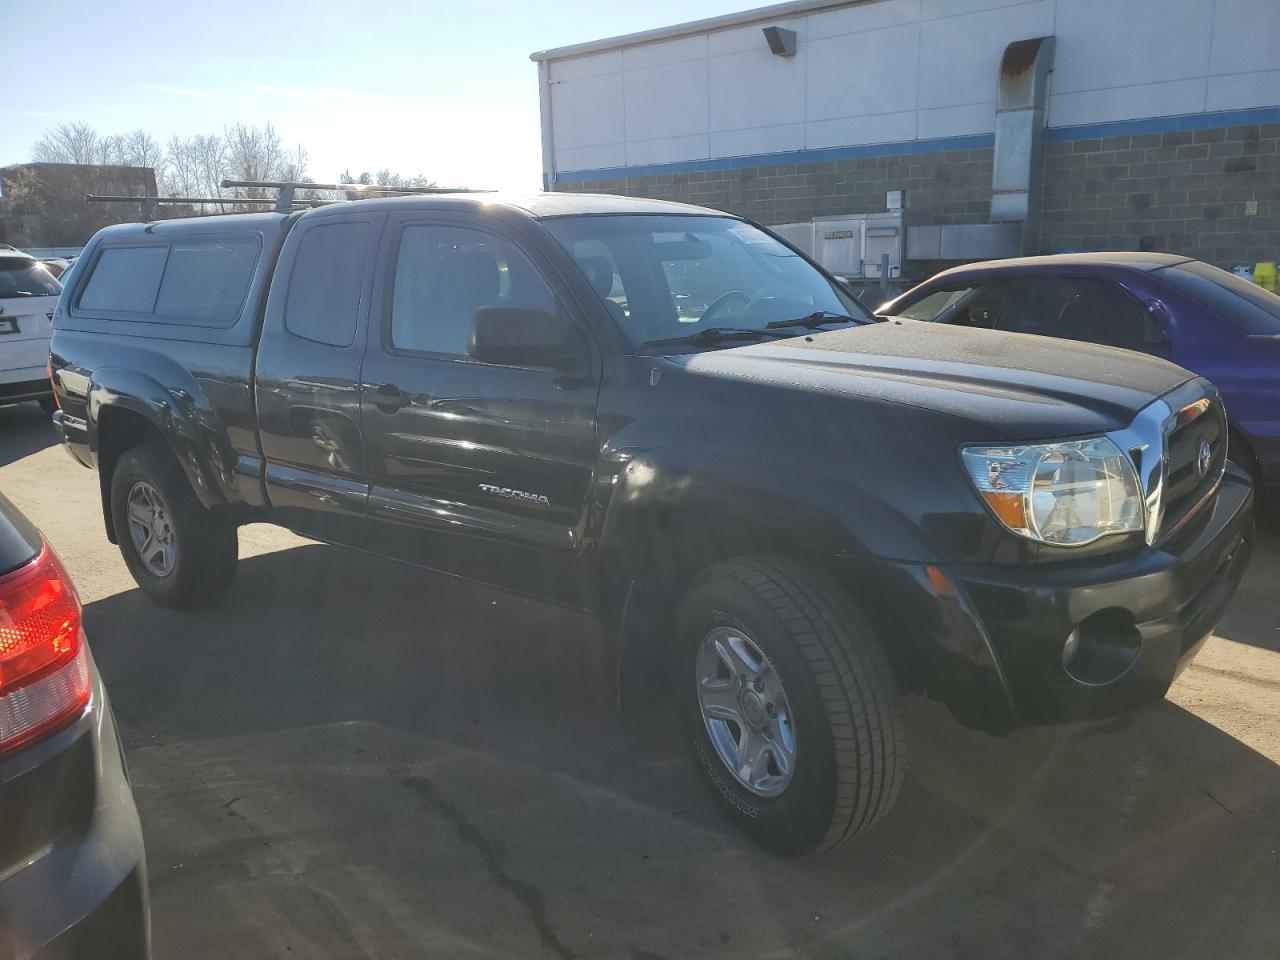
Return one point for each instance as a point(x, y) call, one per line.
point(389, 399)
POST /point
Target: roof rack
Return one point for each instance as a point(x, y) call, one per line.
point(287, 188)
point(149, 203)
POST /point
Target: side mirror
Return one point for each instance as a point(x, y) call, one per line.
point(526, 337)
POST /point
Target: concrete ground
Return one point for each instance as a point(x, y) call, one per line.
point(350, 758)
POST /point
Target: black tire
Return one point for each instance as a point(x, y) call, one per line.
point(850, 752)
point(207, 545)
point(48, 405)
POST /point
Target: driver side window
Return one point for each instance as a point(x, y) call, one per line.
point(444, 274)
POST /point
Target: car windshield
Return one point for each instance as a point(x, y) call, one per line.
point(24, 277)
point(700, 280)
point(1245, 305)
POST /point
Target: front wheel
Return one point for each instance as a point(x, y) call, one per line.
point(180, 554)
point(787, 704)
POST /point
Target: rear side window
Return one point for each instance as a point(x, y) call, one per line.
point(21, 277)
point(125, 280)
point(207, 281)
point(1244, 305)
point(198, 282)
point(323, 302)
point(1076, 308)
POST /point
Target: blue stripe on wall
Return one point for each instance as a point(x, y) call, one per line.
point(1186, 121)
point(1090, 131)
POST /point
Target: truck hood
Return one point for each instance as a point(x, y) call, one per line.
point(1023, 387)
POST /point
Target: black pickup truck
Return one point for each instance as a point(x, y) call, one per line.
point(786, 511)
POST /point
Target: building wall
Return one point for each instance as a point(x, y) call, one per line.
point(901, 71)
point(1213, 193)
point(1161, 121)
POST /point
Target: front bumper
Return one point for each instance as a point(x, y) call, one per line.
point(75, 437)
point(73, 881)
point(990, 640)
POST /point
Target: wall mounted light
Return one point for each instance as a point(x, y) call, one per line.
point(782, 42)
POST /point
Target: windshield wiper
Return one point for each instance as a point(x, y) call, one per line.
point(813, 320)
point(710, 335)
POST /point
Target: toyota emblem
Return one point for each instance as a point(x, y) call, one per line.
point(1204, 458)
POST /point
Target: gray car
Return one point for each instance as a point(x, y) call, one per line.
point(73, 880)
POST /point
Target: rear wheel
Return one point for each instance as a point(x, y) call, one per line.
point(787, 704)
point(180, 554)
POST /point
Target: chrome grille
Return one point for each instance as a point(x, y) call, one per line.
point(1188, 480)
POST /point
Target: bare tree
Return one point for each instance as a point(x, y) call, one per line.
point(110, 151)
point(253, 153)
point(68, 143)
point(181, 168)
point(385, 178)
point(139, 149)
point(210, 158)
point(293, 166)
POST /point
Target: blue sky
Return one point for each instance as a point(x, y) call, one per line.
point(445, 89)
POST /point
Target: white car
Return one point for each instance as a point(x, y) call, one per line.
point(28, 294)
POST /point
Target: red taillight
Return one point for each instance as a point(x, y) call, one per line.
point(44, 672)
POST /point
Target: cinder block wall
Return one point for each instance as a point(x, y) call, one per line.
point(947, 187)
point(1184, 192)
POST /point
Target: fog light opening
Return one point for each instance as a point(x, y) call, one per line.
point(1102, 648)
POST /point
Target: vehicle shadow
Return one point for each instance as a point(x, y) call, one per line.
point(440, 763)
point(26, 429)
point(1253, 617)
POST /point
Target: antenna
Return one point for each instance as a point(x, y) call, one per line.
point(287, 187)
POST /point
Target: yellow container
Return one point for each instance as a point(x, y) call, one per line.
point(1264, 275)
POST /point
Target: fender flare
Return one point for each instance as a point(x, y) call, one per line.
point(672, 513)
point(182, 416)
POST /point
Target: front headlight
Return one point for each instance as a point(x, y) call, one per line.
point(1068, 493)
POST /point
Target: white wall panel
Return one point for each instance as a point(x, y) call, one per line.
point(754, 89)
point(741, 143)
point(861, 17)
point(1116, 43)
point(1124, 103)
point(588, 112)
point(956, 121)
point(668, 101)
point(933, 9)
point(1243, 91)
point(660, 54)
point(591, 158)
point(960, 56)
point(861, 73)
point(592, 66)
point(668, 150)
point(851, 131)
point(1246, 37)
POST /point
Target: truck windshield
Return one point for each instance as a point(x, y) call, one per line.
point(666, 278)
point(24, 277)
